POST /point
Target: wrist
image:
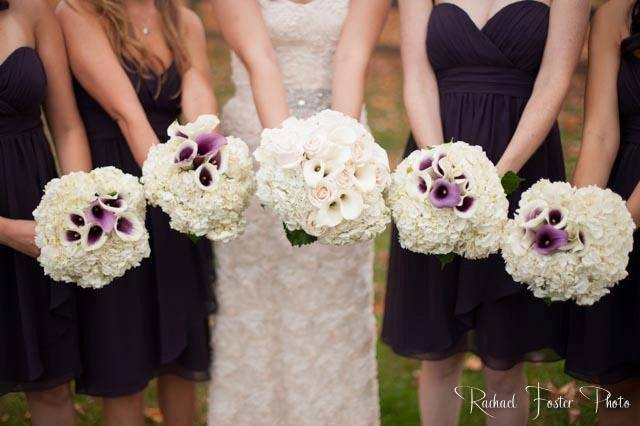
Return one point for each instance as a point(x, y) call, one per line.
point(3, 230)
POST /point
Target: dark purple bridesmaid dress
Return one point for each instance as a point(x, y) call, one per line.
point(604, 339)
point(154, 320)
point(485, 78)
point(38, 334)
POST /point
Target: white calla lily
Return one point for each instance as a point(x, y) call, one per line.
point(205, 123)
point(313, 171)
point(329, 215)
point(365, 177)
point(351, 204)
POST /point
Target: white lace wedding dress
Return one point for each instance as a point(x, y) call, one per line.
point(294, 339)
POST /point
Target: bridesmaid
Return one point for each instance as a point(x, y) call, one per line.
point(38, 329)
point(139, 65)
point(494, 73)
point(603, 346)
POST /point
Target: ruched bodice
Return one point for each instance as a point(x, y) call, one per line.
point(22, 88)
point(161, 108)
point(485, 78)
point(503, 57)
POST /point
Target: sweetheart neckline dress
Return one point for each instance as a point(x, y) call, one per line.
point(38, 335)
point(294, 339)
point(155, 319)
point(603, 345)
point(485, 77)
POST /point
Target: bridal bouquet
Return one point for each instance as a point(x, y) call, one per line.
point(566, 243)
point(449, 199)
point(90, 227)
point(325, 177)
point(201, 179)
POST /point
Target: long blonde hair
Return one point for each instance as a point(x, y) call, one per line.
point(129, 49)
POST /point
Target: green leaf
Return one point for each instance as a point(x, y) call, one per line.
point(511, 182)
point(194, 238)
point(445, 259)
point(299, 238)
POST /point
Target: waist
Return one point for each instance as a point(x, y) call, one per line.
point(630, 130)
point(302, 102)
point(101, 127)
point(485, 79)
point(12, 126)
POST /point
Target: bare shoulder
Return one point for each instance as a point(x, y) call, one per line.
point(611, 20)
point(71, 10)
point(191, 22)
point(34, 10)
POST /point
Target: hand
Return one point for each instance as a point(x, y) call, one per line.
point(635, 213)
point(20, 236)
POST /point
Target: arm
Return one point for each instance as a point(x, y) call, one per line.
point(19, 235)
point(357, 41)
point(97, 68)
point(421, 97)
point(567, 28)
point(197, 93)
point(244, 30)
point(633, 204)
point(601, 136)
point(60, 108)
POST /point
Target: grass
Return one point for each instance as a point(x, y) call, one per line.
point(397, 375)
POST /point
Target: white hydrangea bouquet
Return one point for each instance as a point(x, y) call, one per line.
point(326, 178)
point(201, 179)
point(567, 243)
point(90, 227)
point(448, 199)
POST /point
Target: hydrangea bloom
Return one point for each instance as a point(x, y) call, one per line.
point(201, 179)
point(449, 199)
point(325, 176)
point(90, 227)
point(567, 243)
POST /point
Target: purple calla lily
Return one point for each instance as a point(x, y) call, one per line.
point(209, 144)
point(436, 164)
point(97, 215)
point(425, 163)
point(94, 238)
point(113, 204)
point(557, 218)
point(466, 207)
point(549, 239)
point(72, 236)
point(128, 228)
point(77, 220)
point(206, 176)
point(186, 153)
point(444, 194)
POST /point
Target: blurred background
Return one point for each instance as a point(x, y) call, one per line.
point(397, 375)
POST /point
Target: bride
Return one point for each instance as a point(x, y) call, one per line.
point(294, 339)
